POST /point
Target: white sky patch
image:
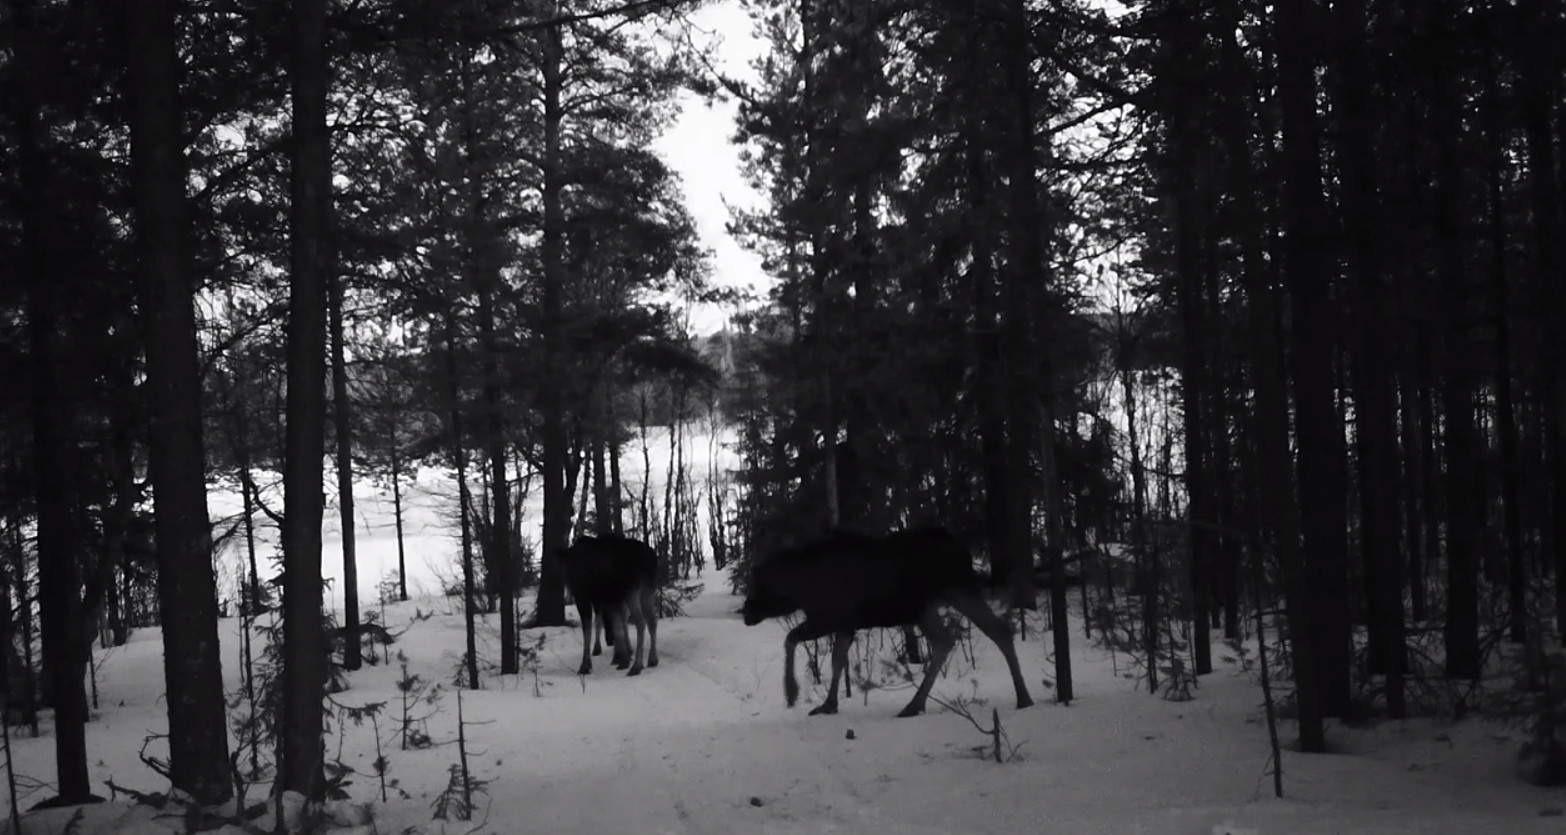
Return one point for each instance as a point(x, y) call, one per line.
point(699, 146)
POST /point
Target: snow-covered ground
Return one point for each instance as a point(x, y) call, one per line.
point(703, 744)
point(429, 514)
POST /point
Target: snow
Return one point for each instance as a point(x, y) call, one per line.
point(703, 743)
point(429, 496)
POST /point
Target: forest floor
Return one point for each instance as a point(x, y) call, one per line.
point(703, 744)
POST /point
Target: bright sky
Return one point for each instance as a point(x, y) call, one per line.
point(698, 146)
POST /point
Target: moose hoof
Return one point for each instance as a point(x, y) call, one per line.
point(653, 661)
point(598, 651)
point(823, 710)
point(585, 669)
point(634, 671)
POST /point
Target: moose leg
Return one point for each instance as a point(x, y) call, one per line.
point(634, 608)
point(585, 612)
point(603, 628)
point(650, 614)
point(622, 644)
point(806, 631)
point(941, 643)
point(973, 607)
point(840, 644)
point(598, 632)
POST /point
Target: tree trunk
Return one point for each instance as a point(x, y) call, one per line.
point(616, 490)
point(1541, 93)
point(1181, 109)
point(402, 549)
point(1148, 575)
point(484, 278)
point(1412, 480)
point(603, 507)
point(459, 455)
point(1225, 467)
point(58, 574)
point(1505, 399)
point(342, 408)
point(1271, 420)
point(1375, 406)
point(1026, 270)
point(1431, 499)
point(1464, 540)
point(301, 753)
point(117, 521)
point(192, 661)
point(1310, 272)
point(990, 401)
point(550, 607)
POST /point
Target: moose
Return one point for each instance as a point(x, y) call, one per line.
point(614, 577)
point(850, 581)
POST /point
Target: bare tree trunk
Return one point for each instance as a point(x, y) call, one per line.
point(58, 567)
point(550, 608)
point(1027, 269)
point(301, 753)
point(1464, 542)
point(459, 456)
point(1413, 495)
point(1430, 470)
point(192, 663)
point(342, 408)
point(1149, 577)
point(603, 502)
point(1541, 94)
point(990, 400)
point(1505, 400)
point(1374, 402)
point(616, 488)
point(1310, 272)
point(1228, 544)
point(402, 549)
point(1271, 419)
point(24, 605)
point(484, 277)
point(1181, 111)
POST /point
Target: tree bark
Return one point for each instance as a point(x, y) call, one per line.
point(1271, 418)
point(301, 765)
point(342, 412)
point(192, 661)
point(1375, 406)
point(990, 401)
point(58, 569)
point(402, 548)
point(1020, 289)
point(603, 504)
point(486, 279)
point(550, 607)
point(1465, 514)
point(1505, 398)
point(1541, 95)
point(1181, 108)
point(459, 456)
point(1310, 272)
